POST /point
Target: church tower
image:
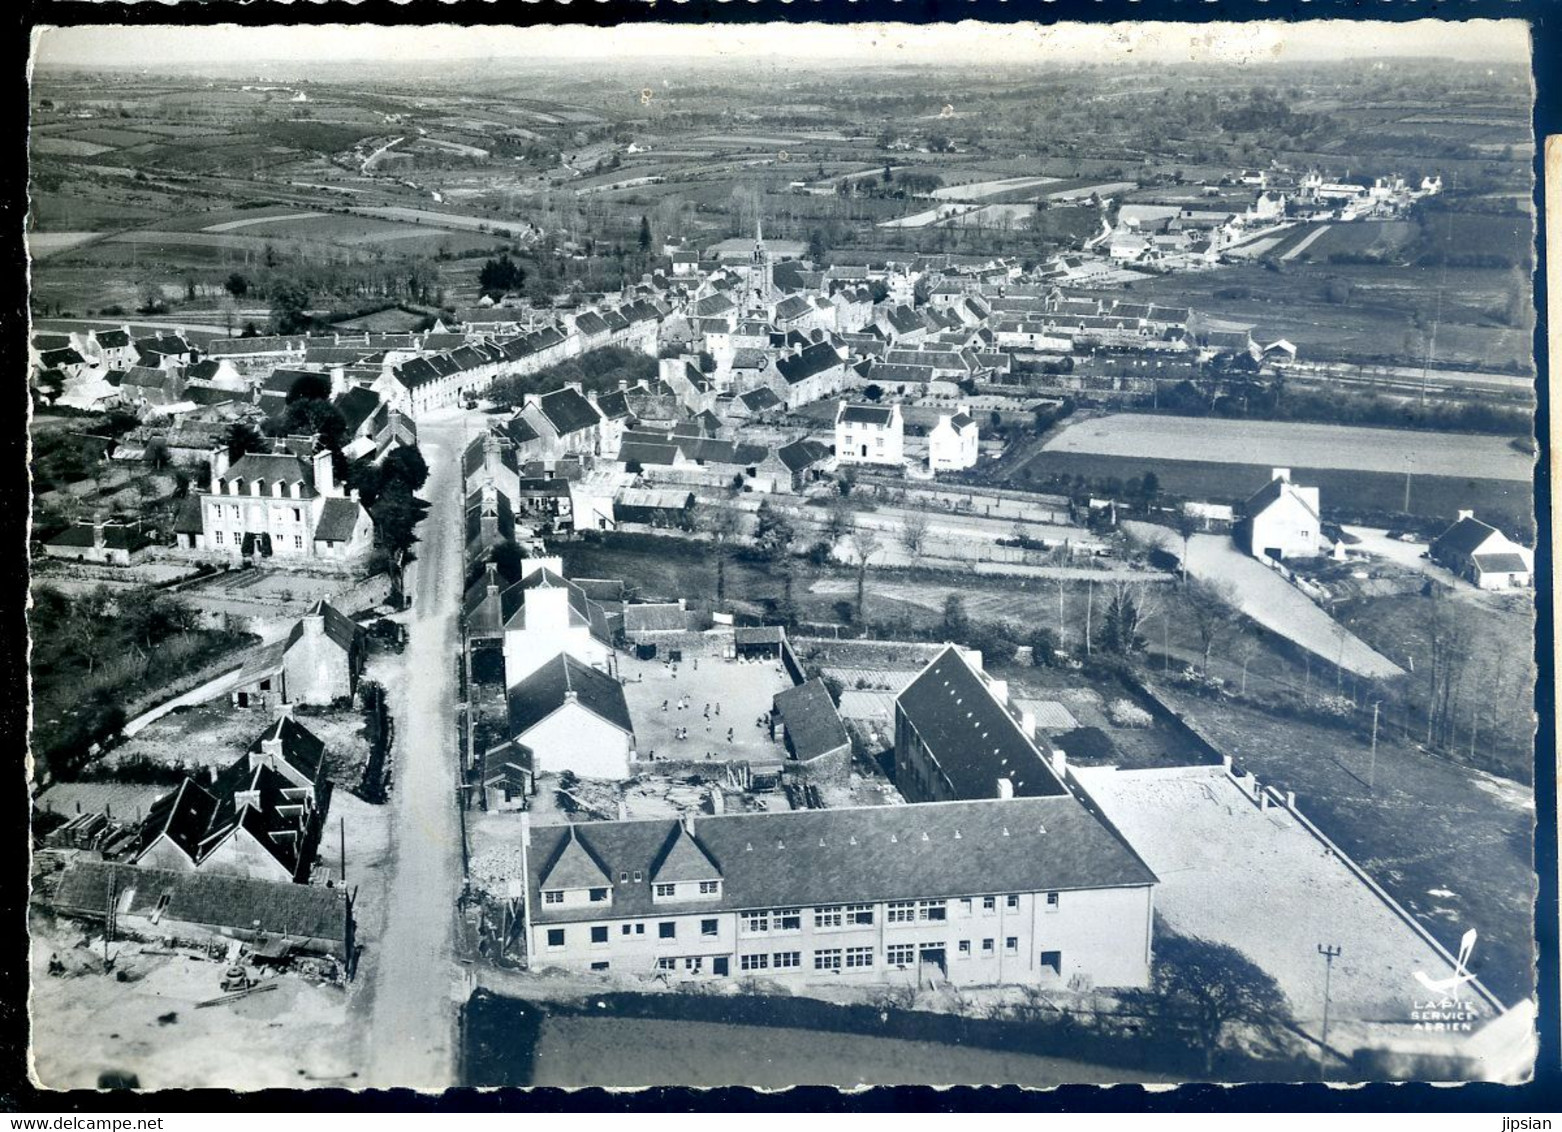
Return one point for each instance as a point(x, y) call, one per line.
point(761, 276)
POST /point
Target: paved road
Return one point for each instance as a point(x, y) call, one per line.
point(1271, 601)
point(412, 1036)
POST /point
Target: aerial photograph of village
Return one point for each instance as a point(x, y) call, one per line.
point(739, 555)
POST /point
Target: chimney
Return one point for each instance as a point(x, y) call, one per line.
point(325, 474)
point(688, 823)
point(683, 603)
point(1000, 690)
point(338, 381)
point(1028, 723)
point(718, 801)
point(493, 579)
point(1005, 788)
point(314, 623)
point(97, 532)
point(211, 774)
point(218, 458)
point(1463, 515)
point(623, 810)
point(1280, 474)
point(1059, 763)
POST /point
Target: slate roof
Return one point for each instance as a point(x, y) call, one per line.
point(808, 858)
point(212, 899)
point(272, 467)
point(866, 414)
point(337, 519)
point(573, 866)
point(813, 360)
point(794, 307)
point(758, 400)
point(813, 726)
point(302, 749)
point(1501, 564)
point(1271, 493)
point(65, 356)
point(973, 738)
point(357, 405)
point(187, 521)
point(113, 339)
point(549, 688)
point(1463, 539)
point(801, 454)
point(339, 628)
point(116, 536)
point(567, 411)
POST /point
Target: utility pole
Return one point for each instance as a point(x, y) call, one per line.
point(341, 830)
point(1372, 765)
point(1330, 954)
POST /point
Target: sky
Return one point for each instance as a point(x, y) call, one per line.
point(219, 45)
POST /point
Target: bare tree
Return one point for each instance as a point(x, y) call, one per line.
point(864, 545)
point(723, 524)
point(1212, 606)
point(913, 532)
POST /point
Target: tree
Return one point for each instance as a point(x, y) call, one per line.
point(157, 456)
point(816, 247)
point(1202, 988)
point(723, 524)
point(242, 438)
point(497, 276)
point(645, 235)
point(236, 285)
point(837, 523)
point(1150, 487)
point(776, 537)
point(1212, 605)
point(405, 464)
point(1186, 526)
point(913, 532)
point(315, 417)
point(1129, 607)
point(864, 545)
point(289, 307)
point(957, 625)
point(51, 383)
point(872, 392)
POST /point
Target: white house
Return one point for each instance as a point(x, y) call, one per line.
point(1282, 519)
point(869, 434)
point(952, 444)
point(548, 615)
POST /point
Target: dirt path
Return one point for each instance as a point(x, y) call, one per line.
point(412, 970)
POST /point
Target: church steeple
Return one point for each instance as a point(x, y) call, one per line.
point(761, 274)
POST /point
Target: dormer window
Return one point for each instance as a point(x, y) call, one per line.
point(553, 896)
point(254, 487)
point(666, 891)
point(710, 888)
point(597, 895)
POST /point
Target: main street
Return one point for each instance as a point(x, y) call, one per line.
point(411, 967)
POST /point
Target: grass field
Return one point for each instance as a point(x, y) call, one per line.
point(1289, 443)
point(1344, 494)
point(68, 147)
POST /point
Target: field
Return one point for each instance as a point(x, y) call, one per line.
point(983, 189)
point(1283, 443)
point(69, 147)
point(43, 244)
point(1346, 495)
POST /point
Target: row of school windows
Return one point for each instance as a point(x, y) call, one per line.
point(825, 918)
point(661, 891)
point(848, 958)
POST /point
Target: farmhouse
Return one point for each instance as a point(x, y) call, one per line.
point(1281, 520)
point(1483, 555)
point(1022, 891)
